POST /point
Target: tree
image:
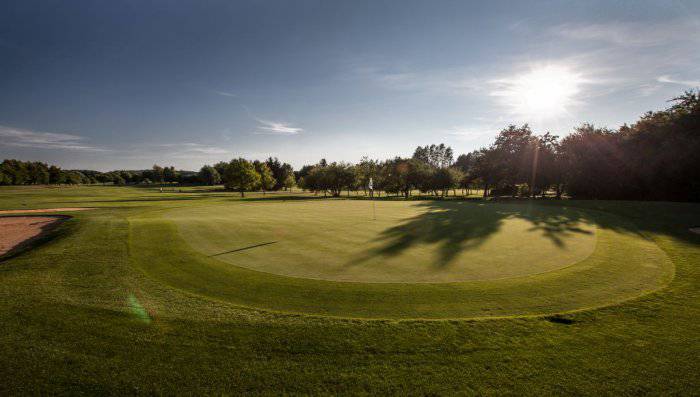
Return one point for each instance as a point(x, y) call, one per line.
point(442, 180)
point(289, 182)
point(240, 175)
point(466, 165)
point(170, 175)
point(118, 180)
point(209, 175)
point(220, 167)
point(267, 181)
point(437, 156)
point(365, 170)
point(74, 178)
point(487, 168)
point(595, 166)
point(157, 174)
point(511, 145)
point(301, 174)
point(280, 172)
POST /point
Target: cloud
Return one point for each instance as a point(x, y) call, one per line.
point(18, 137)
point(470, 133)
point(224, 93)
point(669, 80)
point(276, 128)
point(191, 150)
point(450, 81)
point(267, 127)
point(632, 34)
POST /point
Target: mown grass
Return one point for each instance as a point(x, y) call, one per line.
point(392, 241)
point(68, 326)
point(623, 266)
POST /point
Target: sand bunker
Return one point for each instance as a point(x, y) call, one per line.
point(44, 210)
point(15, 230)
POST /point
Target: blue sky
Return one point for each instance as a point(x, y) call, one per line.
point(125, 84)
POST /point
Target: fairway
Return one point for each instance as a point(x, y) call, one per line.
point(408, 242)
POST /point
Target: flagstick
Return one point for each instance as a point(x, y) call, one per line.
point(370, 185)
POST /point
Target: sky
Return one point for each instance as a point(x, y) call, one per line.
point(125, 84)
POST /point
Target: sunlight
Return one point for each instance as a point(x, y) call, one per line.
point(541, 93)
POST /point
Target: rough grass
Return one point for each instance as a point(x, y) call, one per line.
point(72, 318)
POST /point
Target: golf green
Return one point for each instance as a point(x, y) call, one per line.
point(425, 259)
point(404, 242)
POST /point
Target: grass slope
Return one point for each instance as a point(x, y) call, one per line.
point(76, 317)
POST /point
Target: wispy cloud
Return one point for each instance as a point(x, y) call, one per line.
point(224, 93)
point(669, 80)
point(632, 34)
point(436, 81)
point(18, 137)
point(268, 127)
point(276, 128)
point(192, 150)
point(470, 133)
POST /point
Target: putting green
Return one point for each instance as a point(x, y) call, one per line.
point(407, 242)
point(430, 259)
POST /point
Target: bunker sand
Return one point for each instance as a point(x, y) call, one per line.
point(15, 230)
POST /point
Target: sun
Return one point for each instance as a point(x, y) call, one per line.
point(541, 93)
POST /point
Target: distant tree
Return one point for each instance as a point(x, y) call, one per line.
point(240, 175)
point(442, 181)
point(170, 175)
point(303, 172)
point(595, 165)
point(220, 167)
point(74, 178)
point(280, 172)
point(437, 156)
point(365, 170)
point(118, 180)
point(209, 175)
point(487, 168)
point(157, 174)
point(267, 181)
point(289, 182)
point(403, 175)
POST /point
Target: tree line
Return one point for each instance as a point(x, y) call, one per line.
point(16, 172)
point(656, 158)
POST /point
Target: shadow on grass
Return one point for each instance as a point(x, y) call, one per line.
point(244, 248)
point(284, 198)
point(457, 226)
point(139, 199)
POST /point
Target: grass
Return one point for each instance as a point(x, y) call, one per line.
point(89, 312)
point(428, 241)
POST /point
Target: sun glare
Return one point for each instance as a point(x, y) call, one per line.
point(542, 93)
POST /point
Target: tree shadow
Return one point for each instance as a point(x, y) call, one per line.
point(137, 199)
point(457, 226)
point(244, 248)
